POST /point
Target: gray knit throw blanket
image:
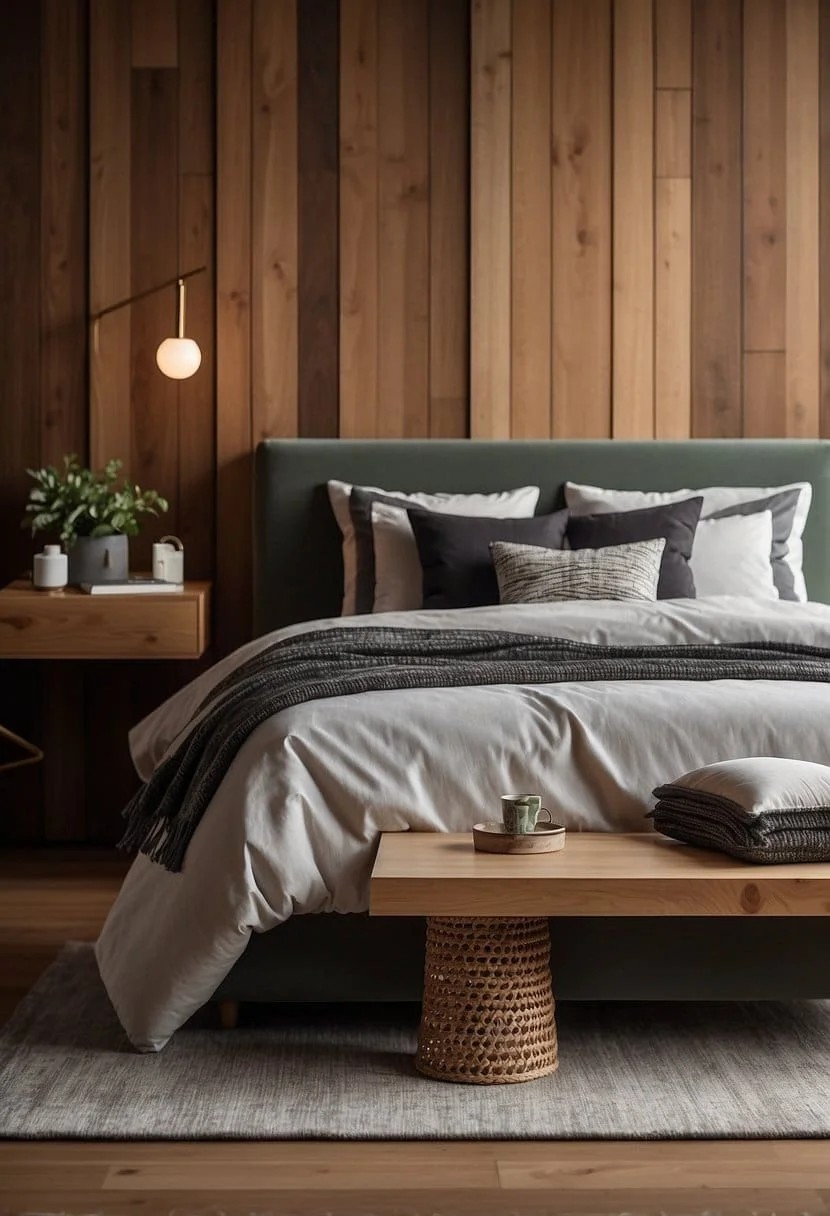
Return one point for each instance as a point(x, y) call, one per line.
point(164, 814)
point(713, 822)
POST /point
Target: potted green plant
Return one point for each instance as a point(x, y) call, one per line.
point(92, 515)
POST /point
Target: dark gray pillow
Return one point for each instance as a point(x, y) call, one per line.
point(675, 522)
point(454, 551)
point(782, 507)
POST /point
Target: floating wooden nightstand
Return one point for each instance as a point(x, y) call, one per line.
point(70, 624)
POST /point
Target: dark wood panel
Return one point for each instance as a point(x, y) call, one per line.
point(716, 220)
point(233, 319)
point(318, 52)
point(824, 218)
point(64, 211)
point(21, 808)
point(154, 253)
point(197, 231)
point(449, 222)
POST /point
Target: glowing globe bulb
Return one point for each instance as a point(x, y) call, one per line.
point(178, 358)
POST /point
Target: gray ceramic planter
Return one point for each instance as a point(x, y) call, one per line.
point(99, 559)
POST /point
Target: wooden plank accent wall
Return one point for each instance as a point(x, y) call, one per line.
point(420, 218)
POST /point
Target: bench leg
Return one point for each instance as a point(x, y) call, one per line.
point(488, 1012)
point(229, 1014)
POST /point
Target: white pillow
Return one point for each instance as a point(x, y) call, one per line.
point(587, 500)
point(504, 504)
point(731, 556)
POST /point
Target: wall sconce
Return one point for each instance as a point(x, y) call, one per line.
point(179, 357)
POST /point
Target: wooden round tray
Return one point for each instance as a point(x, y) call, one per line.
point(492, 838)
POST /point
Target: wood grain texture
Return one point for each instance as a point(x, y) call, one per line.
point(109, 228)
point(765, 395)
point(716, 220)
point(154, 241)
point(633, 190)
point(359, 219)
point(318, 49)
point(802, 225)
point(530, 288)
point(673, 133)
point(155, 42)
point(20, 423)
point(403, 227)
point(824, 217)
point(197, 228)
point(596, 874)
point(449, 219)
point(72, 625)
point(197, 87)
point(764, 184)
point(490, 219)
point(64, 211)
point(234, 438)
point(581, 202)
point(274, 220)
point(673, 43)
point(673, 306)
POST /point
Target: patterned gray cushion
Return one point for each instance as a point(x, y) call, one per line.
point(529, 575)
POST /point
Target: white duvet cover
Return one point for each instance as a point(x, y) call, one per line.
point(295, 824)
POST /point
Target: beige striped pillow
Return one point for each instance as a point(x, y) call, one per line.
point(528, 574)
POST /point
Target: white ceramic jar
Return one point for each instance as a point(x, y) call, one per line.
point(50, 569)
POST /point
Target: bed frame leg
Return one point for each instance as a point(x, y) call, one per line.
point(229, 1014)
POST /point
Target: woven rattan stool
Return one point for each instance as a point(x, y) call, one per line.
point(488, 1005)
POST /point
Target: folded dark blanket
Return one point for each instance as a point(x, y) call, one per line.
point(164, 814)
point(768, 837)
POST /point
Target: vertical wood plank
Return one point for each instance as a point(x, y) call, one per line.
point(154, 455)
point(581, 246)
point(109, 228)
point(633, 298)
point(530, 289)
point(764, 168)
point(64, 409)
point(274, 223)
point(802, 306)
point(64, 202)
point(358, 218)
point(197, 439)
point(449, 151)
point(403, 234)
point(716, 219)
point(20, 309)
point(673, 43)
point(765, 394)
point(490, 219)
point(318, 39)
point(824, 218)
point(673, 306)
point(673, 133)
point(155, 41)
point(233, 317)
point(197, 87)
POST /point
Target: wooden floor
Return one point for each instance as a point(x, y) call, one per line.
point(46, 900)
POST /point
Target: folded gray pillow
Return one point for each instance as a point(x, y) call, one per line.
point(762, 808)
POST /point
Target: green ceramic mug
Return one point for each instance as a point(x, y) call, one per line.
point(519, 813)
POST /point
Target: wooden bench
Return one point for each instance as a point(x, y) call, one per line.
point(488, 1012)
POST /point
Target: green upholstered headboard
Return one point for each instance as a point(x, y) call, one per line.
point(297, 562)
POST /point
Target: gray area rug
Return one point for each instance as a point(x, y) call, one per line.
point(626, 1071)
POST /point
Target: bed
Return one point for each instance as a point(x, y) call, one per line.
point(334, 956)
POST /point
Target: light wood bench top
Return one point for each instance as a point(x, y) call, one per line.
point(596, 874)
